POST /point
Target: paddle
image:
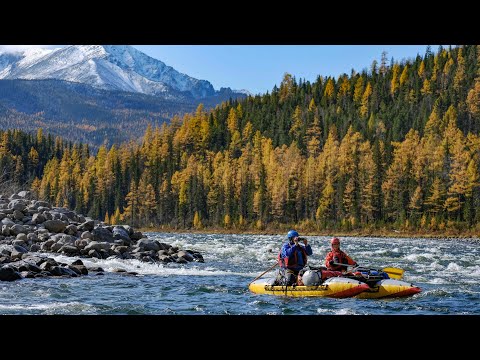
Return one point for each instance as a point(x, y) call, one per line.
point(259, 276)
point(393, 273)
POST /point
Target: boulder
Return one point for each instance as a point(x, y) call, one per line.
point(55, 226)
point(102, 235)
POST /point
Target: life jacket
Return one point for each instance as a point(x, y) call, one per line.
point(292, 261)
point(342, 259)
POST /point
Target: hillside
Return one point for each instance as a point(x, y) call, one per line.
point(80, 112)
point(394, 148)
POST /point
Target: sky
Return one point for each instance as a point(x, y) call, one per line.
point(257, 68)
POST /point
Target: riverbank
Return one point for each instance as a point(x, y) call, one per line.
point(384, 233)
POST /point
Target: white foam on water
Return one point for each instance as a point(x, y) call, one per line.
point(49, 306)
point(454, 267)
point(345, 311)
point(144, 268)
point(436, 266)
point(384, 251)
point(475, 272)
point(437, 281)
point(324, 311)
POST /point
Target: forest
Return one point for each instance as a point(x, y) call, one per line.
point(395, 146)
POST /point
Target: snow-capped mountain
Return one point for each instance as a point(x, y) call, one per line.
point(110, 67)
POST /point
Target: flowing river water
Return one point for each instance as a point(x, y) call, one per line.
point(447, 271)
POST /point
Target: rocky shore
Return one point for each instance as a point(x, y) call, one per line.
point(32, 229)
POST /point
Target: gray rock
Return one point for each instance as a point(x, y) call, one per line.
point(165, 258)
point(18, 215)
point(20, 242)
point(86, 235)
point(102, 235)
point(41, 231)
point(57, 237)
point(148, 244)
point(71, 230)
point(35, 247)
point(67, 240)
point(185, 255)
point(38, 218)
point(137, 235)
point(119, 232)
point(22, 236)
point(27, 274)
point(18, 204)
point(46, 246)
point(9, 274)
point(81, 243)
point(43, 210)
point(60, 271)
point(32, 237)
point(55, 247)
point(55, 226)
point(94, 254)
point(97, 246)
point(7, 221)
point(25, 194)
point(16, 254)
point(68, 249)
point(59, 216)
point(47, 265)
point(87, 226)
point(96, 269)
point(18, 229)
point(20, 249)
point(128, 228)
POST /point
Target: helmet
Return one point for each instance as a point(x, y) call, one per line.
point(292, 234)
point(335, 240)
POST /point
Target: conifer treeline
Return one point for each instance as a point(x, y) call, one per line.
point(23, 156)
point(397, 145)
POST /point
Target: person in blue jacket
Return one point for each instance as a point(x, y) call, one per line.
point(292, 258)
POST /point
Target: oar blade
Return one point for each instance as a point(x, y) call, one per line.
point(394, 273)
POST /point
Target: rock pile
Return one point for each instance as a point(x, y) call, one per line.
point(29, 226)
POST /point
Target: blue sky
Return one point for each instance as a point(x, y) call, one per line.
point(257, 68)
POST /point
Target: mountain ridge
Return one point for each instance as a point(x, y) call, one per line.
point(109, 67)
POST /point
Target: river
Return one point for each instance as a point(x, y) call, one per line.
point(447, 271)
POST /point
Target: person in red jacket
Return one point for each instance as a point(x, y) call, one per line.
point(337, 256)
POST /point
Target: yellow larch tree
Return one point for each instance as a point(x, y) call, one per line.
point(365, 100)
point(358, 92)
point(297, 123)
point(459, 79)
point(436, 198)
point(394, 84)
point(404, 76)
point(329, 92)
point(421, 70)
point(132, 201)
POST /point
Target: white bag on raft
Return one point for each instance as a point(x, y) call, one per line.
point(312, 278)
